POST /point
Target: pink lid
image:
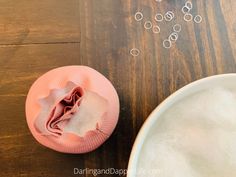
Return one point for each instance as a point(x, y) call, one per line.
point(72, 109)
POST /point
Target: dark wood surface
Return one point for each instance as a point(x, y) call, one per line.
point(36, 36)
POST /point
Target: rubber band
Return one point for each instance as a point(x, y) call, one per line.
point(198, 19)
point(188, 17)
point(173, 37)
point(135, 52)
point(171, 13)
point(138, 16)
point(185, 9)
point(167, 44)
point(169, 16)
point(156, 29)
point(189, 5)
point(148, 25)
point(159, 17)
point(177, 28)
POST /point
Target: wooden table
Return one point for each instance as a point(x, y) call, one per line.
point(36, 36)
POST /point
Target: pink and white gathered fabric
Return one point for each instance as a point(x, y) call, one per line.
point(72, 109)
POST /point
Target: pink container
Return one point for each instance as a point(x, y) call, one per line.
point(72, 109)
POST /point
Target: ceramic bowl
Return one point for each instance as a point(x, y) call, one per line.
point(227, 81)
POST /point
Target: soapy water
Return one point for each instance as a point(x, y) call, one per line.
point(194, 138)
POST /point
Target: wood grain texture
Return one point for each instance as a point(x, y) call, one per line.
point(21, 65)
point(33, 21)
point(100, 34)
point(20, 154)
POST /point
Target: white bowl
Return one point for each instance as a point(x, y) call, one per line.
point(225, 80)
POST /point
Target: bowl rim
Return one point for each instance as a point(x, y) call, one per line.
point(155, 114)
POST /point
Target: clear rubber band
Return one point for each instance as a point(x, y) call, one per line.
point(185, 9)
point(159, 17)
point(167, 44)
point(189, 4)
point(169, 16)
point(138, 16)
point(188, 17)
point(198, 19)
point(173, 37)
point(177, 28)
point(148, 25)
point(135, 52)
point(156, 29)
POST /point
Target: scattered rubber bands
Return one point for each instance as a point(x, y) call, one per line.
point(155, 27)
point(186, 9)
point(173, 37)
point(169, 16)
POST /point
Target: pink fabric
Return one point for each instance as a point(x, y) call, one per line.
point(72, 109)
